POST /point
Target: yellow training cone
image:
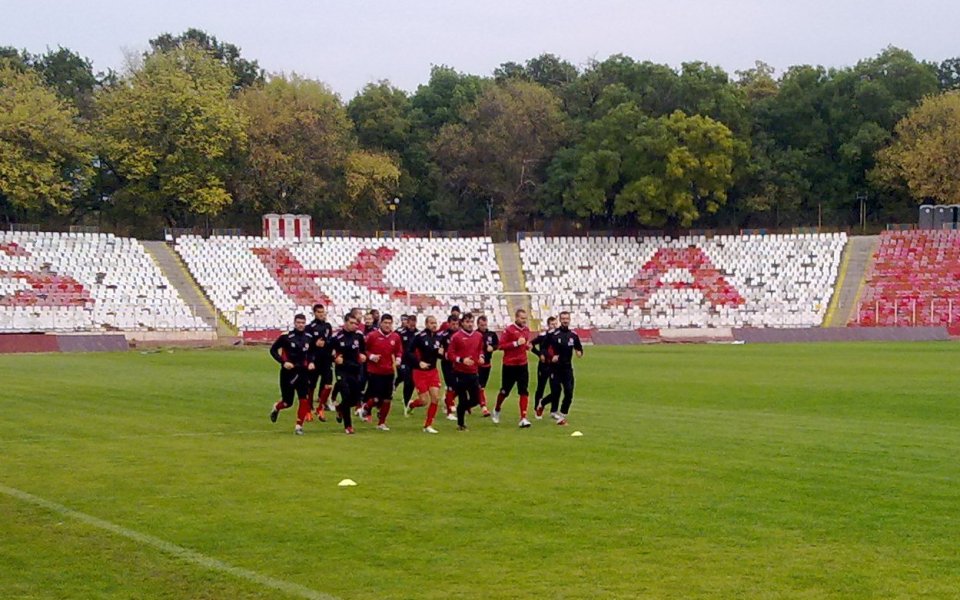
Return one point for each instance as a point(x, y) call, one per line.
point(576, 434)
point(347, 483)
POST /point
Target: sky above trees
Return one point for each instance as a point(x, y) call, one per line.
point(350, 44)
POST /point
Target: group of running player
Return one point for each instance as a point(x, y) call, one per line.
point(361, 365)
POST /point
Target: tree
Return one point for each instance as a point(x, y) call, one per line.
point(45, 158)
point(298, 138)
point(664, 170)
point(371, 181)
point(245, 72)
point(925, 155)
point(168, 132)
point(501, 149)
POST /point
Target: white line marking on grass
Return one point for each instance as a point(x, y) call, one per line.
point(293, 589)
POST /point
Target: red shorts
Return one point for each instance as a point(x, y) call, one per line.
point(424, 380)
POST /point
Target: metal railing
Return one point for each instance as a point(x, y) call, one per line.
point(912, 312)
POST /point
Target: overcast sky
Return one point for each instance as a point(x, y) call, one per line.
point(347, 44)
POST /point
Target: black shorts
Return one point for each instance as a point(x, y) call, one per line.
point(518, 375)
point(484, 376)
point(379, 387)
point(294, 383)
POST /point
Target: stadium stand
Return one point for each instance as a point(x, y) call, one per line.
point(259, 283)
point(914, 280)
point(63, 282)
point(724, 281)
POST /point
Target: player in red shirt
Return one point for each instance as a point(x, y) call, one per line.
point(384, 353)
point(466, 356)
point(515, 343)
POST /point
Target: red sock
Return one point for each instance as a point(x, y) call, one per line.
point(431, 414)
point(448, 400)
point(500, 398)
point(417, 403)
point(303, 409)
point(369, 404)
point(384, 411)
point(483, 398)
point(524, 403)
point(280, 405)
point(324, 395)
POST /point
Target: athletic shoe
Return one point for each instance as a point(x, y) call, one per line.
point(451, 417)
point(461, 428)
point(383, 427)
point(339, 418)
point(309, 417)
point(331, 405)
point(496, 416)
point(298, 430)
point(273, 415)
point(556, 416)
point(486, 413)
point(524, 423)
point(539, 411)
point(407, 410)
point(429, 429)
point(562, 422)
point(348, 431)
point(321, 417)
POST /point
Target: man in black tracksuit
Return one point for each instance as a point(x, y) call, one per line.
point(349, 355)
point(563, 344)
point(407, 331)
point(294, 351)
point(323, 374)
point(539, 347)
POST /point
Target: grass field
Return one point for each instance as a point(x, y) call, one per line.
point(801, 471)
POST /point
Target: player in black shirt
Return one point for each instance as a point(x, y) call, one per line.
point(539, 346)
point(453, 326)
point(407, 330)
point(490, 343)
point(294, 351)
point(563, 344)
point(323, 374)
point(422, 355)
point(349, 355)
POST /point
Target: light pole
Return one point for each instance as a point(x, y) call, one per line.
point(862, 197)
point(489, 215)
point(394, 205)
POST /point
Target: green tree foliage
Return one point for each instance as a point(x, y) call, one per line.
point(245, 72)
point(500, 149)
point(45, 158)
point(298, 137)
point(925, 155)
point(169, 131)
point(665, 170)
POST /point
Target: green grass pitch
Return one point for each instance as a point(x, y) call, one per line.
point(753, 471)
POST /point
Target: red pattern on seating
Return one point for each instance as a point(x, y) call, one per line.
point(706, 278)
point(366, 270)
point(914, 281)
point(47, 288)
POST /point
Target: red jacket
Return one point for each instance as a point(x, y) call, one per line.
point(466, 345)
point(389, 347)
point(514, 354)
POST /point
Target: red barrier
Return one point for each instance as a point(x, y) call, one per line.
point(586, 335)
point(954, 330)
point(261, 336)
point(649, 334)
point(11, 343)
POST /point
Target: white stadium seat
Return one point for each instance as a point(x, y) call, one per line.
point(85, 282)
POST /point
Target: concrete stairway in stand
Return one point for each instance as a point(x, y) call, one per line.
point(856, 259)
point(174, 269)
point(511, 274)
